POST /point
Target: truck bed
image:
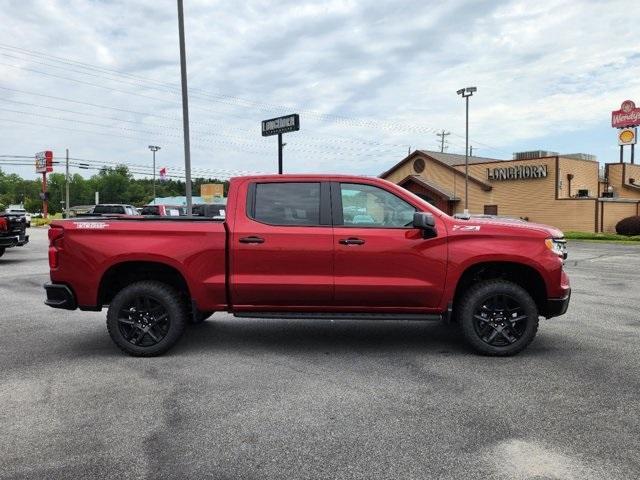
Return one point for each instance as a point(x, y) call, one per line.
point(102, 247)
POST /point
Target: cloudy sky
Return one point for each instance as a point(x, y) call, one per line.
point(370, 79)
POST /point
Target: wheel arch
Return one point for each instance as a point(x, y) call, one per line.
point(122, 274)
point(521, 274)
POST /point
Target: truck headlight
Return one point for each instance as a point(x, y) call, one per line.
point(557, 246)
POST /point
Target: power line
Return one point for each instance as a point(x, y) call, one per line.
point(240, 102)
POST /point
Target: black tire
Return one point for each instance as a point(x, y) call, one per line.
point(498, 317)
point(199, 317)
point(2, 250)
point(146, 318)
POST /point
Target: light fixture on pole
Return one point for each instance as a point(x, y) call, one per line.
point(154, 149)
point(466, 93)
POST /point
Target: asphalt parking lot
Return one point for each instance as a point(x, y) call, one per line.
point(274, 399)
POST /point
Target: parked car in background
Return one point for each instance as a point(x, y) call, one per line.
point(20, 211)
point(114, 209)
point(12, 231)
point(80, 210)
point(164, 210)
point(210, 210)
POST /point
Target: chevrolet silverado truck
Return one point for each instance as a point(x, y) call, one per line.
point(311, 247)
point(12, 231)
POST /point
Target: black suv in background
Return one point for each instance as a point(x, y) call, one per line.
point(13, 230)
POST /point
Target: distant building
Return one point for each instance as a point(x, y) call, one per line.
point(565, 191)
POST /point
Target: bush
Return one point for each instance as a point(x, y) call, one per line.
point(629, 226)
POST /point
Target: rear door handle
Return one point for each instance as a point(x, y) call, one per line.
point(252, 239)
point(351, 241)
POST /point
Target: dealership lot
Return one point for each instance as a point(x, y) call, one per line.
point(319, 399)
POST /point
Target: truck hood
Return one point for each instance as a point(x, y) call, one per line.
point(505, 227)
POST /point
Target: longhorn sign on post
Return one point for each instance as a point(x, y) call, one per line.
point(278, 126)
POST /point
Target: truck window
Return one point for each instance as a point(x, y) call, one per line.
point(369, 206)
point(107, 209)
point(287, 203)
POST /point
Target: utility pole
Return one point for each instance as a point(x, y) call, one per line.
point(154, 149)
point(67, 186)
point(185, 109)
point(442, 137)
point(466, 93)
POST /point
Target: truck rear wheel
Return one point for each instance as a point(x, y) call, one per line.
point(498, 317)
point(146, 318)
point(2, 250)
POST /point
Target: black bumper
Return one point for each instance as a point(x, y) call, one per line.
point(556, 306)
point(60, 296)
point(14, 241)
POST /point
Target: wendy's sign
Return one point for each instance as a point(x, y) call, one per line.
point(627, 116)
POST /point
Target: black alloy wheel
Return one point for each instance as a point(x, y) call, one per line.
point(497, 317)
point(500, 320)
point(144, 321)
point(146, 318)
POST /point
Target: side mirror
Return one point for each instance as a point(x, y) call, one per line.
point(425, 222)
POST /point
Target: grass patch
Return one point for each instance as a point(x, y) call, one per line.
point(607, 237)
point(41, 222)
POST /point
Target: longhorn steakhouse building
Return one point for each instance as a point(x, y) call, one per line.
point(566, 191)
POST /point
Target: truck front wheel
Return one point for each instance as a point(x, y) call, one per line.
point(498, 317)
point(146, 318)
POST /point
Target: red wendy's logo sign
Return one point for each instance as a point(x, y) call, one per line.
point(627, 116)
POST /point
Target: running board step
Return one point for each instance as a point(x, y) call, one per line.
point(341, 316)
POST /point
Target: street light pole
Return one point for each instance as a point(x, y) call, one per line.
point(154, 149)
point(466, 93)
point(185, 109)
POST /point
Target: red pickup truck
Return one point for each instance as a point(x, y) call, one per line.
point(311, 247)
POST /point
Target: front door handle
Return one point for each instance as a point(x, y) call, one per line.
point(351, 241)
point(252, 239)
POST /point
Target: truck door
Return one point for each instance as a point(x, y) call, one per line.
point(381, 261)
point(282, 246)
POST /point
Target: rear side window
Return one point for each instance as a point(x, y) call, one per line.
point(287, 203)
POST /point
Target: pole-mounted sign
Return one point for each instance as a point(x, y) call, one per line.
point(626, 119)
point(44, 162)
point(278, 126)
point(44, 165)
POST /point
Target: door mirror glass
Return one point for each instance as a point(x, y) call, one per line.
point(425, 222)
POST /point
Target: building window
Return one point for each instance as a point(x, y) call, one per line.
point(491, 209)
point(418, 165)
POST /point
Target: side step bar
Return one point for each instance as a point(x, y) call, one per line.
point(341, 316)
